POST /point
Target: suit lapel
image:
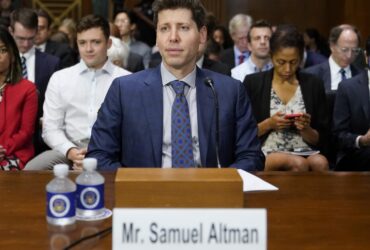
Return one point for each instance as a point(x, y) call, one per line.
point(152, 100)
point(326, 76)
point(364, 94)
point(205, 110)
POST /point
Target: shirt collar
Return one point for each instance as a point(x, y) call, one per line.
point(29, 53)
point(168, 77)
point(237, 52)
point(42, 47)
point(108, 68)
point(200, 62)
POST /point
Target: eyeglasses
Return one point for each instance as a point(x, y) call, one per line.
point(344, 50)
point(3, 50)
point(24, 39)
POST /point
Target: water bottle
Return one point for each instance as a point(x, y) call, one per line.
point(61, 198)
point(90, 190)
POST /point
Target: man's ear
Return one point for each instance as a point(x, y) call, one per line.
point(203, 34)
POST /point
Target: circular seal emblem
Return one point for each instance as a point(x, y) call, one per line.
point(90, 197)
point(59, 205)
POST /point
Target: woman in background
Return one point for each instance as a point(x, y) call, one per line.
point(18, 108)
point(290, 107)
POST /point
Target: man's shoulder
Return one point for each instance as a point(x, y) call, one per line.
point(318, 68)
point(360, 78)
point(45, 57)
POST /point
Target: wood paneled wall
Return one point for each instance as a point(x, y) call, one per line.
point(322, 14)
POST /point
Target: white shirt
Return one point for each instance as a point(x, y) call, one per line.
point(72, 100)
point(336, 76)
point(30, 63)
point(168, 99)
point(238, 53)
point(246, 68)
point(42, 47)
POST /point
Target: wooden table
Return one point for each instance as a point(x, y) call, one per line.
point(310, 211)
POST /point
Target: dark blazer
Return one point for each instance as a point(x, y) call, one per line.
point(351, 112)
point(129, 128)
point(216, 66)
point(134, 62)
point(314, 58)
point(63, 52)
point(259, 86)
point(322, 71)
point(45, 66)
point(228, 57)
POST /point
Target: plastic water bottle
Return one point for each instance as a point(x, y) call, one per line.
point(61, 198)
point(90, 190)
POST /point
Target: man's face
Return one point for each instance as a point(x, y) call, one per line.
point(346, 49)
point(93, 47)
point(122, 21)
point(240, 38)
point(178, 39)
point(259, 44)
point(23, 37)
point(42, 31)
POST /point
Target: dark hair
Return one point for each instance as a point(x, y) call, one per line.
point(130, 14)
point(195, 6)
point(228, 42)
point(25, 16)
point(93, 21)
point(287, 36)
point(321, 43)
point(337, 31)
point(44, 14)
point(60, 37)
point(15, 69)
point(213, 48)
point(258, 24)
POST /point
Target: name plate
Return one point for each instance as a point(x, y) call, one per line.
point(232, 229)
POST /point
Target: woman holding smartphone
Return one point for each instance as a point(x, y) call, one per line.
point(290, 107)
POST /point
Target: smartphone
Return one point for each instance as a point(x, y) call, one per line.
point(292, 116)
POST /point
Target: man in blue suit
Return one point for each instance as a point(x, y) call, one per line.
point(138, 123)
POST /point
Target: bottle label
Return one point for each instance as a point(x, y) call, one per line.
point(61, 205)
point(90, 197)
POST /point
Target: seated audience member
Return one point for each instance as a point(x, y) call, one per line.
point(351, 118)
point(18, 108)
point(44, 44)
point(344, 41)
point(74, 96)
point(221, 36)
point(213, 50)
point(259, 46)
point(311, 58)
point(315, 42)
point(238, 27)
point(68, 26)
point(126, 23)
point(283, 91)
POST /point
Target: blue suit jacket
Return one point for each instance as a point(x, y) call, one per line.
point(129, 128)
point(351, 112)
point(322, 71)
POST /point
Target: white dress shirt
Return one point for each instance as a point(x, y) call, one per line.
point(168, 99)
point(336, 76)
point(72, 100)
point(30, 63)
point(246, 68)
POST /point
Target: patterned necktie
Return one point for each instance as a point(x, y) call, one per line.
point(24, 67)
point(181, 140)
point(241, 58)
point(343, 74)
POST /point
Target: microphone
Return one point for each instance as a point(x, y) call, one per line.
point(208, 81)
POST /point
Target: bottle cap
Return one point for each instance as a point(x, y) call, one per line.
point(61, 170)
point(90, 164)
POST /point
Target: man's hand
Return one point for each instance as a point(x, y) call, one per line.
point(2, 153)
point(76, 155)
point(365, 139)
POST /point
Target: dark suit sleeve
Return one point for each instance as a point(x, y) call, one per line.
point(248, 152)
point(342, 118)
point(105, 143)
